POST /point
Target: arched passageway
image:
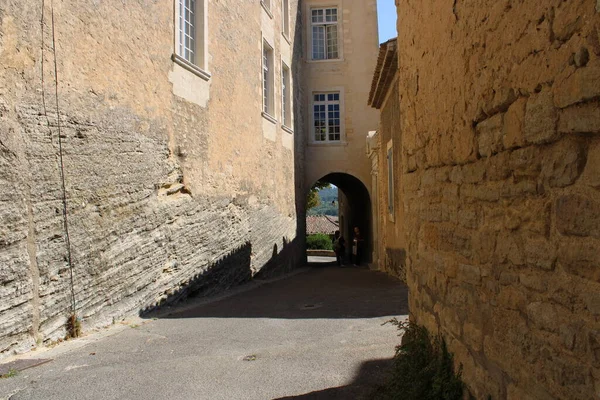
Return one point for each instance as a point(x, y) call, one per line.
point(354, 210)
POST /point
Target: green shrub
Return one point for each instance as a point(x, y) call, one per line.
point(318, 241)
point(423, 368)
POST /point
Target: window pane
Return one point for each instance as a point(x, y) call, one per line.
point(332, 42)
point(318, 42)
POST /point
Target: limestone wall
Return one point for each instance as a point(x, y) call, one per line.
point(500, 114)
point(350, 75)
point(392, 248)
point(172, 185)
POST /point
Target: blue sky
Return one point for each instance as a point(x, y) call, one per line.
point(386, 11)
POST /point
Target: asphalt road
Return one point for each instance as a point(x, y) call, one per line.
point(315, 335)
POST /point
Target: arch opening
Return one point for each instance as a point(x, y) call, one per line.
point(354, 210)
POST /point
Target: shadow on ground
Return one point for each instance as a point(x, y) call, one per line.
point(368, 384)
point(321, 292)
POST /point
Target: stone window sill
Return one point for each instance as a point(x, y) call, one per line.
point(194, 69)
point(332, 60)
point(269, 117)
point(328, 144)
point(287, 129)
point(286, 37)
point(264, 6)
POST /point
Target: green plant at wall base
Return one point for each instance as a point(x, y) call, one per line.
point(11, 373)
point(73, 327)
point(423, 367)
point(318, 241)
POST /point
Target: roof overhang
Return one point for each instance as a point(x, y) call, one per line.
point(385, 71)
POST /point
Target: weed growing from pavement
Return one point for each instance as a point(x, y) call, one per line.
point(10, 374)
point(423, 367)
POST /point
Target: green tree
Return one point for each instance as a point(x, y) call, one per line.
point(313, 199)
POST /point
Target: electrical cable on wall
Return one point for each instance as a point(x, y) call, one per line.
point(60, 150)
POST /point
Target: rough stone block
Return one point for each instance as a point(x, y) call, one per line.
point(469, 274)
point(580, 118)
point(594, 343)
point(543, 316)
point(489, 135)
point(534, 282)
point(497, 168)
point(540, 253)
point(592, 301)
point(512, 299)
point(509, 249)
point(540, 118)
point(580, 257)
point(525, 163)
point(581, 85)
point(463, 145)
point(516, 393)
point(563, 163)
point(473, 336)
point(591, 172)
point(578, 216)
point(513, 124)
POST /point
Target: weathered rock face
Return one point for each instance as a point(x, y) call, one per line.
point(171, 185)
point(500, 110)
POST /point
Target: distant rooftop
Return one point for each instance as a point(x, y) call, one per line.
point(322, 224)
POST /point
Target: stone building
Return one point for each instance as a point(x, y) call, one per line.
point(182, 128)
point(384, 150)
point(338, 82)
point(494, 128)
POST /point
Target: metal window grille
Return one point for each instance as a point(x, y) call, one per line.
point(187, 30)
point(324, 33)
point(326, 117)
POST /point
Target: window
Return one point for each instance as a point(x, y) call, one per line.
point(390, 165)
point(286, 88)
point(267, 77)
point(285, 12)
point(326, 117)
point(324, 23)
point(190, 25)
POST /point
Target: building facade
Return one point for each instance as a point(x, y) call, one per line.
point(384, 149)
point(152, 150)
point(336, 86)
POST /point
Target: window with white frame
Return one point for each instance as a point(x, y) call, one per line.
point(286, 90)
point(267, 78)
point(390, 170)
point(285, 13)
point(326, 117)
point(324, 24)
point(190, 22)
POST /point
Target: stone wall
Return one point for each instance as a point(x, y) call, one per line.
point(500, 108)
point(392, 241)
point(172, 188)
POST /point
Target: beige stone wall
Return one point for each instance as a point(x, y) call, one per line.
point(392, 242)
point(501, 135)
point(172, 184)
point(351, 76)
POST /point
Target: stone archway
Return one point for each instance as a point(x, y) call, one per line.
point(354, 210)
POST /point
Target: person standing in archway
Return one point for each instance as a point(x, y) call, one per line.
point(357, 246)
point(339, 246)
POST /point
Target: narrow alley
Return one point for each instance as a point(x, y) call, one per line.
point(319, 333)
